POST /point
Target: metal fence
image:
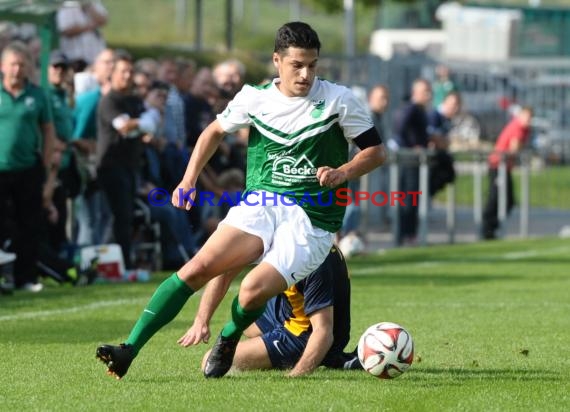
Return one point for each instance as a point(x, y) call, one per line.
point(443, 220)
point(489, 91)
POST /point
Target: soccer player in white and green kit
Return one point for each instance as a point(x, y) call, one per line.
point(297, 158)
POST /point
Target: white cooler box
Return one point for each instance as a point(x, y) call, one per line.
point(110, 265)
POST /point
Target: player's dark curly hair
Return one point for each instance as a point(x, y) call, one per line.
point(296, 34)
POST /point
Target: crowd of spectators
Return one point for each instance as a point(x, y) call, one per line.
point(109, 131)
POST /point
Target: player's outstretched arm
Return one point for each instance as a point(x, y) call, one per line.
point(319, 343)
point(205, 148)
point(214, 292)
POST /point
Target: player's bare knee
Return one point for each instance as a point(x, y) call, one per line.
point(195, 273)
point(251, 295)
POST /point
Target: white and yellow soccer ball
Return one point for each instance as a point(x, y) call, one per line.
point(386, 350)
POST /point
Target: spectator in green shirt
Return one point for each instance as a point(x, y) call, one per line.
point(26, 138)
point(443, 85)
point(68, 182)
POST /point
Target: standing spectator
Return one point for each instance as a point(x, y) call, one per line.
point(92, 210)
point(85, 110)
point(378, 97)
point(199, 114)
point(198, 104)
point(177, 239)
point(175, 153)
point(174, 112)
point(412, 133)
point(69, 183)
point(152, 119)
point(119, 149)
point(78, 23)
point(443, 85)
point(26, 129)
point(229, 77)
point(186, 73)
point(141, 83)
point(149, 66)
point(50, 262)
point(97, 75)
point(441, 170)
point(510, 143)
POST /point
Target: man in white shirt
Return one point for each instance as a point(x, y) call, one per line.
point(78, 24)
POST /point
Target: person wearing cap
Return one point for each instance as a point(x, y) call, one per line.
point(67, 182)
point(26, 130)
point(58, 71)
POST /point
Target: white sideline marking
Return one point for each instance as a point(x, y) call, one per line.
point(73, 309)
point(379, 270)
point(535, 252)
point(91, 306)
point(520, 255)
point(482, 258)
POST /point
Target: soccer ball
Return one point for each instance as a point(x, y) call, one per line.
point(386, 350)
point(351, 245)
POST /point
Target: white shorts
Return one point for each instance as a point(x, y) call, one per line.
point(291, 244)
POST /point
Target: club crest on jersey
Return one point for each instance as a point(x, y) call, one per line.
point(29, 102)
point(288, 170)
point(318, 108)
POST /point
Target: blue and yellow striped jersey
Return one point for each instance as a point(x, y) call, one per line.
point(329, 285)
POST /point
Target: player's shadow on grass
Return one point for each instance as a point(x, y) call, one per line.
point(432, 375)
point(42, 331)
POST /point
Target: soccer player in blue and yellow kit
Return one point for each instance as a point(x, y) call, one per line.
point(302, 328)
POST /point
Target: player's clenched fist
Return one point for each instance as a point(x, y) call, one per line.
point(183, 196)
point(330, 177)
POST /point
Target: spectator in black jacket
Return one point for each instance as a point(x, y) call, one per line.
point(412, 133)
point(119, 149)
point(441, 171)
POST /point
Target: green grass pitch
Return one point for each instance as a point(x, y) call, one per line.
point(490, 322)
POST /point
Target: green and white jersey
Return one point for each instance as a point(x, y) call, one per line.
point(290, 137)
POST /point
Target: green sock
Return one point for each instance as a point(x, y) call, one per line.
point(164, 305)
point(241, 319)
